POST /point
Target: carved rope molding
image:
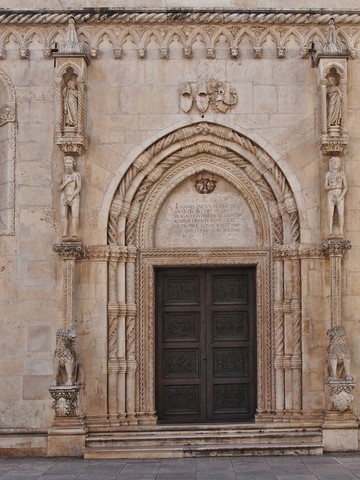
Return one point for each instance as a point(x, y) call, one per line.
point(186, 27)
point(199, 16)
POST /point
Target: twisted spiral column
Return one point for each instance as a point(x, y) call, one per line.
point(279, 335)
point(296, 361)
point(131, 363)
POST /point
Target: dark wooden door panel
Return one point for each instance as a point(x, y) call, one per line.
point(205, 357)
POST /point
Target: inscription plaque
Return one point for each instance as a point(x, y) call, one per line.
point(188, 219)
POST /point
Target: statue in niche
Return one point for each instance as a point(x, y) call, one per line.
point(338, 354)
point(336, 187)
point(334, 102)
point(70, 102)
point(70, 200)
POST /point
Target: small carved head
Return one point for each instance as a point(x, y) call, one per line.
point(257, 52)
point(118, 53)
point(24, 53)
point(164, 53)
point(94, 52)
point(187, 52)
point(69, 164)
point(334, 164)
point(234, 52)
point(210, 52)
point(353, 53)
point(304, 52)
point(280, 52)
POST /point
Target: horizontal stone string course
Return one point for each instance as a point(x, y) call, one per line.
point(87, 17)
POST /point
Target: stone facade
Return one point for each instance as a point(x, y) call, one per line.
point(153, 137)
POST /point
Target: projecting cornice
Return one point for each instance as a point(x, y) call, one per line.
point(199, 16)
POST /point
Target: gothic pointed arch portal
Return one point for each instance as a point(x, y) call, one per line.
point(138, 245)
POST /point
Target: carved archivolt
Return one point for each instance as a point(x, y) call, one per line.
point(7, 168)
point(188, 31)
point(253, 163)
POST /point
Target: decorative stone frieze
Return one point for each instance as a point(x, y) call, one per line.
point(233, 25)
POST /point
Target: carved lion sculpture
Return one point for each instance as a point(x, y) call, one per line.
point(66, 366)
point(338, 354)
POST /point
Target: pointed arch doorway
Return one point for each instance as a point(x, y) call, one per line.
point(161, 218)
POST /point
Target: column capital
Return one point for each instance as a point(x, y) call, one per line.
point(70, 250)
point(335, 247)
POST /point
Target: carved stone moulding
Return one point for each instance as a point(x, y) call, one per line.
point(70, 250)
point(340, 394)
point(333, 145)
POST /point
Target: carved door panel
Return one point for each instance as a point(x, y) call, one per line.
point(205, 335)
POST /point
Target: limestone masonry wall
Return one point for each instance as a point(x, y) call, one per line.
point(138, 82)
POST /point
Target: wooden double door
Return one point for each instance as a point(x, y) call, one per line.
point(205, 344)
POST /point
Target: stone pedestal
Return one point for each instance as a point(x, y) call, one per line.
point(340, 428)
point(68, 422)
point(340, 432)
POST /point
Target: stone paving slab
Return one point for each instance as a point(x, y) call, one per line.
point(327, 467)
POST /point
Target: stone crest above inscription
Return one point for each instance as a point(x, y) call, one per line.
point(188, 219)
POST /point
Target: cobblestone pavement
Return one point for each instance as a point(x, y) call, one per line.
point(342, 466)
